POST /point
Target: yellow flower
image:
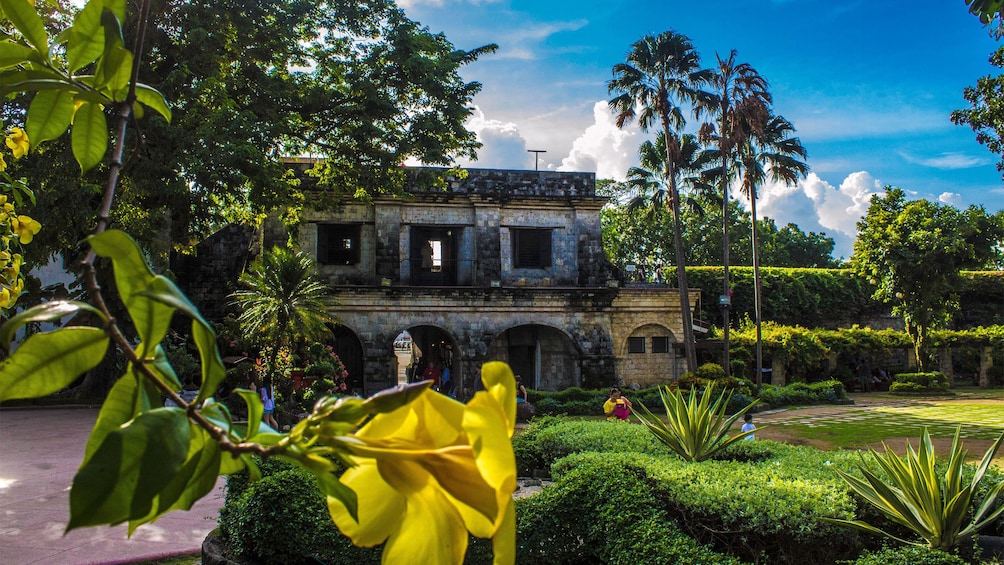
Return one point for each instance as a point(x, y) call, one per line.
point(18, 142)
point(3, 164)
point(25, 228)
point(5, 300)
point(433, 470)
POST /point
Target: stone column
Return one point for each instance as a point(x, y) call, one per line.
point(777, 374)
point(945, 364)
point(986, 361)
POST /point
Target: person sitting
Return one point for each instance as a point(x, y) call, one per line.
point(617, 407)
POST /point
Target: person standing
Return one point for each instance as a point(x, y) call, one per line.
point(748, 426)
point(617, 407)
point(268, 399)
point(521, 395)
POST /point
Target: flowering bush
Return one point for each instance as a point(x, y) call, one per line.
point(15, 229)
point(323, 363)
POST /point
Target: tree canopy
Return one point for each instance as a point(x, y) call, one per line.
point(357, 84)
point(913, 252)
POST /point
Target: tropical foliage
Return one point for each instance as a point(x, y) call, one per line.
point(933, 503)
point(696, 427)
point(142, 459)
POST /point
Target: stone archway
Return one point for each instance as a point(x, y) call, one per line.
point(436, 345)
point(544, 356)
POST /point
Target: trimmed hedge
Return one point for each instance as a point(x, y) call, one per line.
point(907, 555)
point(546, 440)
point(920, 382)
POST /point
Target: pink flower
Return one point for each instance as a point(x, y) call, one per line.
point(342, 387)
point(345, 374)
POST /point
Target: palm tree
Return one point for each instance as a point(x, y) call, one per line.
point(770, 153)
point(661, 72)
point(281, 302)
point(740, 107)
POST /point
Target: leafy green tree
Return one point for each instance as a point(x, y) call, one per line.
point(986, 112)
point(282, 302)
point(913, 252)
point(661, 72)
point(357, 84)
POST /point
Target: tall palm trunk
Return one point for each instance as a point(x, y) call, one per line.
point(689, 345)
point(757, 298)
point(726, 300)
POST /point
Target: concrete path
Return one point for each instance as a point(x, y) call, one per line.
point(40, 450)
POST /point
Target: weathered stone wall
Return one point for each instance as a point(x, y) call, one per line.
point(209, 275)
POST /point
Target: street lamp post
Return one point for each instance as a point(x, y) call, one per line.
point(536, 157)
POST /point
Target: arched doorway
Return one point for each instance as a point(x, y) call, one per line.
point(350, 350)
point(431, 344)
point(543, 356)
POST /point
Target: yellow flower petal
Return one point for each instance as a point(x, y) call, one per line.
point(431, 532)
point(380, 506)
point(3, 164)
point(499, 382)
point(504, 542)
point(17, 141)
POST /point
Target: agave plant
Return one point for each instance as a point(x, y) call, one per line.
point(934, 504)
point(697, 428)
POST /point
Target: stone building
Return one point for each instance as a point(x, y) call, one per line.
point(500, 265)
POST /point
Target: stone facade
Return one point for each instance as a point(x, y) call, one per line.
point(500, 265)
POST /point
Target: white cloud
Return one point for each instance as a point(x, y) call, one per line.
point(951, 198)
point(603, 147)
point(503, 146)
point(817, 206)
point(948, 160)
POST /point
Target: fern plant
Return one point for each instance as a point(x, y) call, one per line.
point(697, 428)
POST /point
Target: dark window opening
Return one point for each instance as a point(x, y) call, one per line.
point(531, 248)
point(660, 344)
point(337, 244)
point(636, 345)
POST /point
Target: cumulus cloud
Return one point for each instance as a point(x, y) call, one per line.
point(952, 199)
point(815, 205)
point(503, 146)
point(603, 147)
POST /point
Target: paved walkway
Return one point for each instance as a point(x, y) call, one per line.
point(40, 450)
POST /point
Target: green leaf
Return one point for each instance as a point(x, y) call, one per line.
point(255, 411)
point(334, 488)
point(152, 98)
point(12, 54)
point(196, 478)
point(45, 312)
point(49, 115)
point(113, 73)
point(131, 467)
point(84, 44)
point(152, 318)
point(124, 401)
point(393, 398)
point(26, 20)
point(213, 370)
point(47, 362)
point(89, 136)
point(162, 366)
point(132, 275)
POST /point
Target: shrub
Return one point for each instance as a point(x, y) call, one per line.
point(907, 555)
point(830, 391)
point(925, 382)
point(603, 510)
point(283, 517)
point(544, 442)
point(768, 512)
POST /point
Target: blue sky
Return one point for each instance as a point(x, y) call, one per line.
point(869, 86)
